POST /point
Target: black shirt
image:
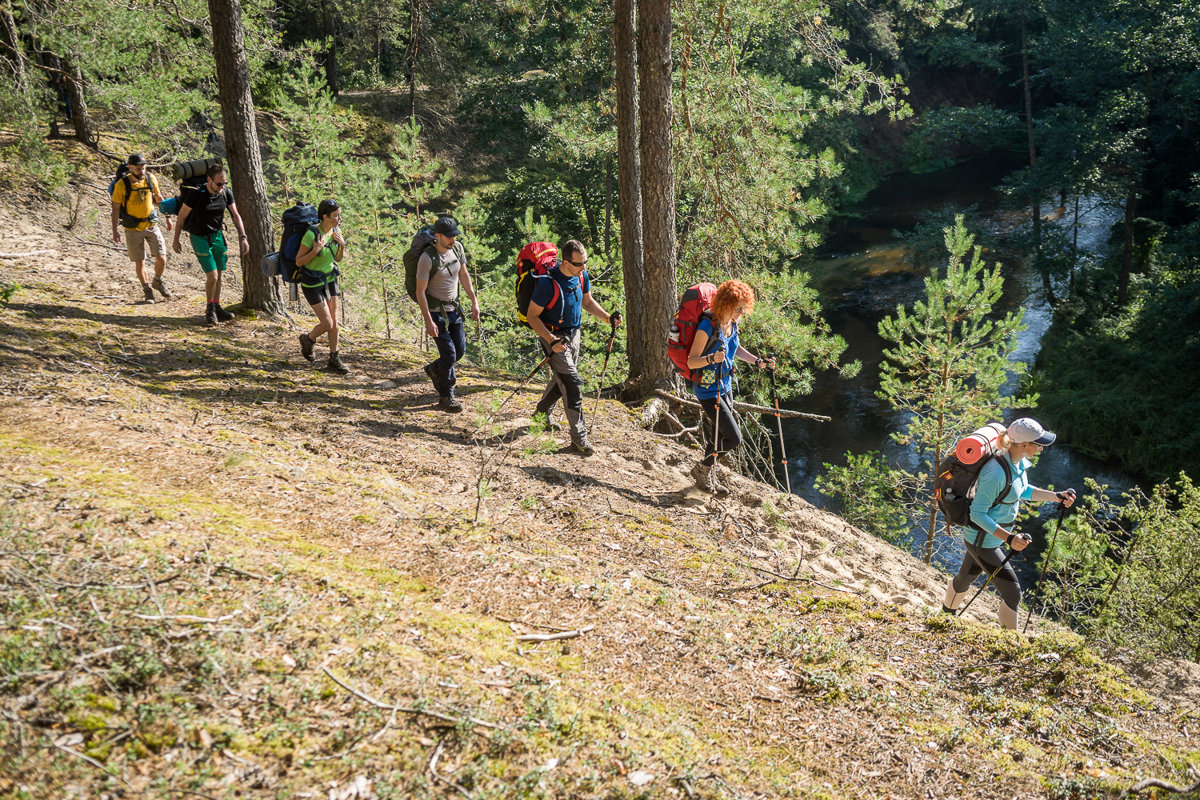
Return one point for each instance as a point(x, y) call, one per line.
point(208, 210)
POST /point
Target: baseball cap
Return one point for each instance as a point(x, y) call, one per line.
point(1027, 429)
point(446, 226)
point(135, 159)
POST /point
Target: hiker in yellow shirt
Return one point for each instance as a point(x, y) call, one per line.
point(135, 196)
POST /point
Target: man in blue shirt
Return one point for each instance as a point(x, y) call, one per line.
point(555, 313)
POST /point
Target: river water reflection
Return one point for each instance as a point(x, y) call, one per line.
point(862, 275)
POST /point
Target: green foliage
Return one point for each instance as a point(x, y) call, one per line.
point(1125, 572)
point(945, 135)
point(948, 360)
point(870, 493)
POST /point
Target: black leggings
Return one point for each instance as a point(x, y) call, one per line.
point(977, 560)
point(728, 436)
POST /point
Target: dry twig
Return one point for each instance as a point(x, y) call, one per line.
point(407, 709)
point(550, 637)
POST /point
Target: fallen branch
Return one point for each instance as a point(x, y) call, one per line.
point(748, 408)
point(1155, 783)
point(407, 709)
point(438, 778)
point(747, 588)
point(549, 637)
point(795, 579)
point(26, 255)
point(191, 618)
point(225, 566)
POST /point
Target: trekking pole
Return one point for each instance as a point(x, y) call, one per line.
point(528, 378)
point(1046, 562)
point(607, 353)
point(779, 423)
point(1007, 558)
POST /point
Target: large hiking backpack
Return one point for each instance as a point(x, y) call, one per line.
point(693, 306)
point(954, 484)
point(422, 242)
point(535, 260)
point(191, 176)
point(122, 175)
point(297, 221)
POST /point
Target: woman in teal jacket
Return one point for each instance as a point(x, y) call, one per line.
point(993, 512)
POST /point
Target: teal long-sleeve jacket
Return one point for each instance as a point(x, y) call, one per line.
point(988, 510)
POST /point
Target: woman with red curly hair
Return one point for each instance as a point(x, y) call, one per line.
point(711, 359)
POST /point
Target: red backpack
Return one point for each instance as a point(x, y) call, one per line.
point(692, 307)
point(534, 261)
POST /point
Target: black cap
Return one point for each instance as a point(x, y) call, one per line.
point(136, 159)
point(447, 226)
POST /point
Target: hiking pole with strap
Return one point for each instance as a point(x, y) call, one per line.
point(1007, 558)
point(1057, 524)
point(614, 319)
point(528, 378)
point(779, 423)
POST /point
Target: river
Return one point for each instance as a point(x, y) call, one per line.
point(862, 276)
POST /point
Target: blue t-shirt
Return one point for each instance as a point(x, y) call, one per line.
point(566, 313)
point(987, 490)
point(705, 385)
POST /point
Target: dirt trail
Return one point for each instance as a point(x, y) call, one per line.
point(259, 455)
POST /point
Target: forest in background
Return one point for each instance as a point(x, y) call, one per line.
point(785, 114)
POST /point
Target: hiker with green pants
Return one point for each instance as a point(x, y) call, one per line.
point(202, 215)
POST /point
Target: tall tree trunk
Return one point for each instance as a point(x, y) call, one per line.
point(12, 45)
point(1127, 248)
point(414, 29)
point(75, 86)
point(241, 148)
point(650, 318)
point(629, 175)
point(331, 65)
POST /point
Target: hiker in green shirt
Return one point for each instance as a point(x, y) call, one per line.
point(321, 248)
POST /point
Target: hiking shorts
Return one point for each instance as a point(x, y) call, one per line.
point(137, 241)
point(315, 295)
point(210, 251)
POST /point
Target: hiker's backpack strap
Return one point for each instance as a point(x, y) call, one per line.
point(981, 534)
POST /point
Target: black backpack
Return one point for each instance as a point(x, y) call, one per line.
point(954, 488)
point(422, 242)
point(297, 221)
point(127, 219)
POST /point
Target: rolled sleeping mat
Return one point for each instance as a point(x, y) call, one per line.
point(979, 444)
point(169, 206)
point(183, 170)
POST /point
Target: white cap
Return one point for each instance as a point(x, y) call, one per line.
point(1027, 429)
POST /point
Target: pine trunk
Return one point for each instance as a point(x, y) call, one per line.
point(651, 311)
point(241, 148)
point(331, 65)
point(80, 118)
point(629, 178)
point(1127, 249)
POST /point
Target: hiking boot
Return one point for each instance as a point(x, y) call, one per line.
point(157, 283)
point(336, 365)
point(222, 314)
point(431, 371)
point(706, 480)
point(449, 403)
point(583, 446)
point(210, 314)
point(148, 292)
point(306, 346)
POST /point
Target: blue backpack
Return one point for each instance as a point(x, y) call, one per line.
point(297, 221)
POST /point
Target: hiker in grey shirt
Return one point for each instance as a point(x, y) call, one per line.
point(437, 294)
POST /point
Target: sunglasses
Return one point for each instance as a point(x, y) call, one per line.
point(219, 184)
point(577, 263)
